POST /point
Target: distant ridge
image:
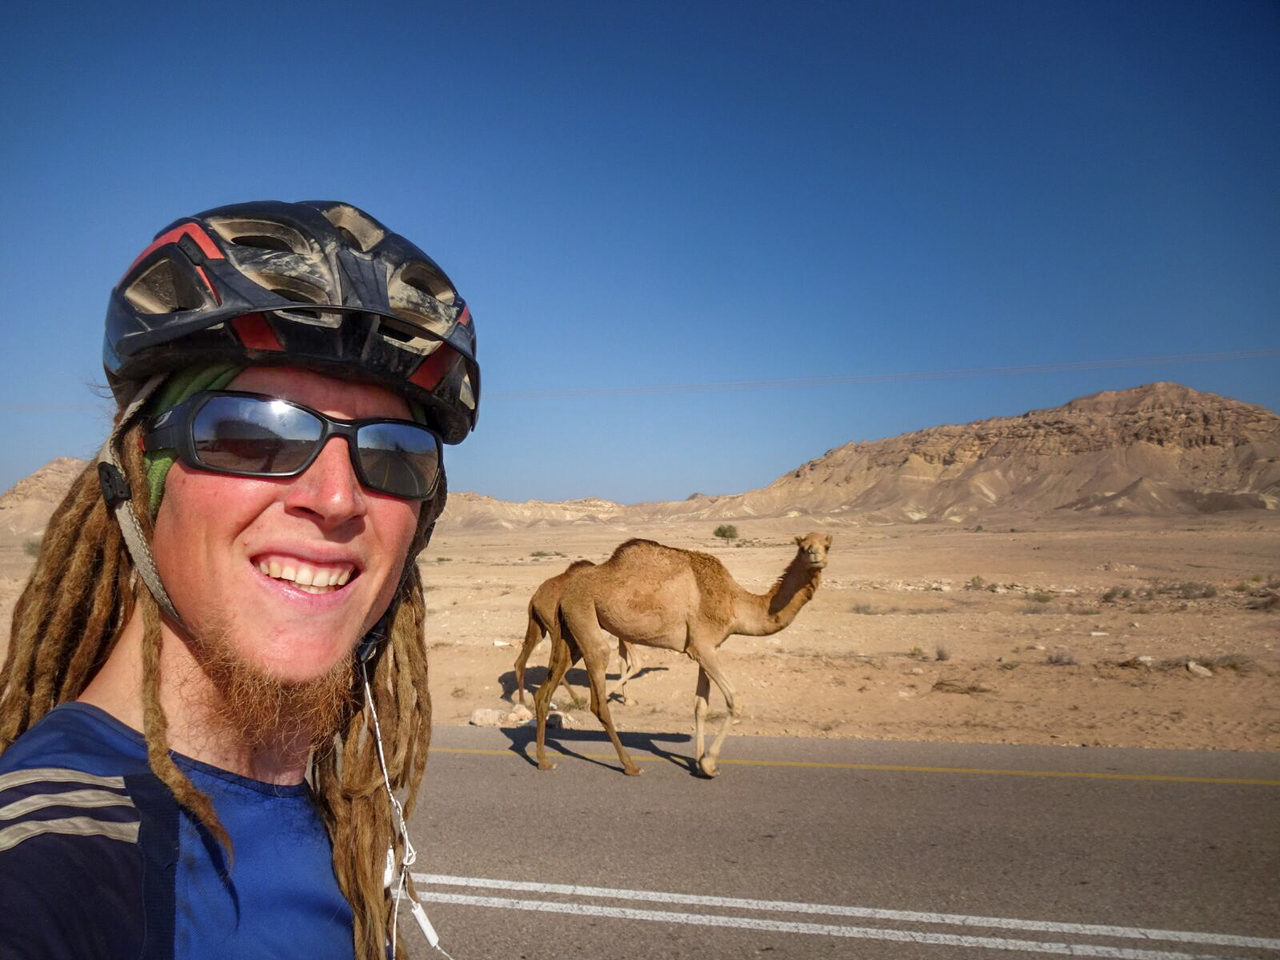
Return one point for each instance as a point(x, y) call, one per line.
point(1159, 449)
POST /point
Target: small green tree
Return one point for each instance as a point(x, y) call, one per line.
point(727, 531)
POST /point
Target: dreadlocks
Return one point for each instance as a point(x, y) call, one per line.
point(70, 614)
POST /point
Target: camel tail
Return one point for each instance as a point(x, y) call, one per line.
point(533, 635)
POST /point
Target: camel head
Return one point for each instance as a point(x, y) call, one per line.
point(814, 547)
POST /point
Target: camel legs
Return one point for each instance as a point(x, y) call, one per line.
point(709, 670)
point(561, 659)
point(600, 707)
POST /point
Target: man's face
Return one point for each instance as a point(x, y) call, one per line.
point(240, 556)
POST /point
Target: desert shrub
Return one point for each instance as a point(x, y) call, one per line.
point(1042, 596)
point(1117, 593)
point(1189, 590)
point(31, 548)
point(726, 531)
point(1269, 601)
point(541, 553)
point(942, 653)
point(975, 583)
point(1062, 658)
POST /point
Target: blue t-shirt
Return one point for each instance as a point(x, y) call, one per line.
point(97, 860)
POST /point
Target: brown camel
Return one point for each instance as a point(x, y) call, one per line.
point(542, 611)
point(658, 596)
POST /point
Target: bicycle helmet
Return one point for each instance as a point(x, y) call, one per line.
point(316, 283)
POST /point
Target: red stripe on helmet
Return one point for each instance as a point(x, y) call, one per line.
point(193, 230)
point(255, 333)
point(466, 314)
point(433, 369)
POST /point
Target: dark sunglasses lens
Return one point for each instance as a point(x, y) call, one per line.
point(254, 436)
point(398, 458)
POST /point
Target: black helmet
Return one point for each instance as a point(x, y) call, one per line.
point(317, 284)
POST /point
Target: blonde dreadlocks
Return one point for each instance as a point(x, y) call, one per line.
point(81, 594)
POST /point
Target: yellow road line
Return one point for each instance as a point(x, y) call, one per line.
point(902, 768)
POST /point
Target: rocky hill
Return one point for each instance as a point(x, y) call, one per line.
point(1159, 449)
point(1156, 449)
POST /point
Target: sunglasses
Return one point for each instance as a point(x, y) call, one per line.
point(252, 435)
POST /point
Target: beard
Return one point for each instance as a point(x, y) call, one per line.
point(262, 711)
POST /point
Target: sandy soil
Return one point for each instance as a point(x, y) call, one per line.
point(1050, 633)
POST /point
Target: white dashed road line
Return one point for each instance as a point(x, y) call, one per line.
point(428, 890)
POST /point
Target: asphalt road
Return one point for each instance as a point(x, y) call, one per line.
point(845, 848)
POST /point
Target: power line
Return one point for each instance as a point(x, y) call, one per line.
point(956, 374)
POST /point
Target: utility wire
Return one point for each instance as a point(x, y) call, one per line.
point(957, 374)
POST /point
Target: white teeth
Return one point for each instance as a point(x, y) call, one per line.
point(305, 577)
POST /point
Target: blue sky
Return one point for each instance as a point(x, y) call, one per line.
point(645, 202)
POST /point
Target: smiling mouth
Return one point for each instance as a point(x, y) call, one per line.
point(310, 578)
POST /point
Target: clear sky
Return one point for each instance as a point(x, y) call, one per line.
point(703, 242)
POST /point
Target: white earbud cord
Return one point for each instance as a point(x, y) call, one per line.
point(410, 855)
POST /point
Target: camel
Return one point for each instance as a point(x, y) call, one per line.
point(542, 611)
point(652, 595)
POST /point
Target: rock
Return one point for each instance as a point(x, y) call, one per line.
point(484, 717)
point(1145, 660)
point(1196, 670)
point(557, 720)
point(520, 714)
point(917, 671)
point(501, 643)
point(1097, 633)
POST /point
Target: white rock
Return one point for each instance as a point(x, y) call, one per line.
point(1196, 670)
point(520, 714)
point(1097, 633)
point(485, 717)
point(501, 643)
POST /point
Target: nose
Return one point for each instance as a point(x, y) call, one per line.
point(329, 489)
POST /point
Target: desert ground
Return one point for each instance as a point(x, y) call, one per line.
point(1139, 632)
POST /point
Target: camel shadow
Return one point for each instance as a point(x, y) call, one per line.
point(523, 739)
point(577, 677)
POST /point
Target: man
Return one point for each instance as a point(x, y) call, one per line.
point(216, 680)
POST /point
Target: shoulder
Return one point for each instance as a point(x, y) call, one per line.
point(70, 865)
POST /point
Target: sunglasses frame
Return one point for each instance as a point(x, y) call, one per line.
point(175, 430)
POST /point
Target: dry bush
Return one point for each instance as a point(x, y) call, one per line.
point(1062, 658)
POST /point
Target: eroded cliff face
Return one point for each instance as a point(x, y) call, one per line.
point(1161, 448)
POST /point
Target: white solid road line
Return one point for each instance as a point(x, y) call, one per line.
point(429, 880)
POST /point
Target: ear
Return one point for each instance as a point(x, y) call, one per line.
point(799, 541)
point(829, 539)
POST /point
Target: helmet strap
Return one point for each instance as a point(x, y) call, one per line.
point(119, 500)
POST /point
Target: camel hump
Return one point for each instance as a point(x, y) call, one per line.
point(578, 565)
point(637, 543)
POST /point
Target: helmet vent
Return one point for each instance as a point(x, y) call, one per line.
point(262, 235)
point(423, 279)
point(359, 230)
point(165, 288)
point(261, 242)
